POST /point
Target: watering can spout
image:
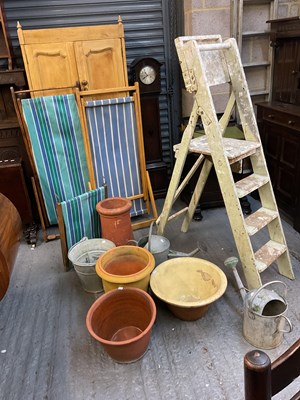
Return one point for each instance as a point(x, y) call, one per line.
point(174, 253)
point(231, 262)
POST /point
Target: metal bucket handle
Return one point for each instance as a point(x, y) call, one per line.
point(81, 240)
point(263, 287)
point(289, 325)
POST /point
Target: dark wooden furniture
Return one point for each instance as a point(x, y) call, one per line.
point(5, 47)
point(13, 186)
point(14, 164)
point(10, 236)
point(264, 379)
point(279, 119)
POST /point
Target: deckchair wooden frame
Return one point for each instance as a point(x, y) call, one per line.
point(17, 96)
point(147, 193)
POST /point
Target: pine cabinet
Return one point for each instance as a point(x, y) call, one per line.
point(92, 57)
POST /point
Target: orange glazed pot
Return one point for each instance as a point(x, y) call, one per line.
point(121, 320)
point(125, 266)
point(115, 220)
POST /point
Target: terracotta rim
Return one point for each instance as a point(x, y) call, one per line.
point(121, 209)
point(125, 278)
point(112, 293)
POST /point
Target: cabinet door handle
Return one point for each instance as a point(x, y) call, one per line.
point(271, 116)
point(84, 84)
point(291, 122)
point(295, 72)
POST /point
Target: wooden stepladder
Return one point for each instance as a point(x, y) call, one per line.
point(208, 61)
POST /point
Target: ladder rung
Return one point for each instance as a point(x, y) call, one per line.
point(250, 184)
point(260, 218)
point(175, 215)
point(214, 46)
point(267, 254)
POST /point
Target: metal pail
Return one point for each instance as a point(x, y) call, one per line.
point(264, 320)
point(83, 256)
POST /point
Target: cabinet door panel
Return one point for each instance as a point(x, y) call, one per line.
point(52, 65)
point(281, 148)
point(100, 64)
point(286, 69)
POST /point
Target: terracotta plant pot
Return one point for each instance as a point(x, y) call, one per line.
point(115, 220)
point(125, 266)
point(121, 320)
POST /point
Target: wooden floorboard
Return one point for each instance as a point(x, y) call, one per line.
point(46, 351)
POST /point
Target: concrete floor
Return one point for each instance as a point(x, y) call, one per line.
point(46, 351)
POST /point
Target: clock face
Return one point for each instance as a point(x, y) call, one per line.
point(147, 75)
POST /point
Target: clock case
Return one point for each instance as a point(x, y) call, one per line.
point(136, 67)
point(149, 95)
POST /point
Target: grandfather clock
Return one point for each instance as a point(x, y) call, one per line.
point(146, 71)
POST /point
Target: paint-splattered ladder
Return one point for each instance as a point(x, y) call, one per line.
point(208, 61)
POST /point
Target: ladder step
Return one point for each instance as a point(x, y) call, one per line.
point(234, 149)
point(260, 218)
point(267, 254)
point(250, 183)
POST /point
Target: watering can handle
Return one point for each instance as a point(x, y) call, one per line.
point(289, 325)
point(150, 235)
point(263, 287)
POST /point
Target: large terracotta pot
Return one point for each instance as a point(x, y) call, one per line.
point(121, 320)
point(188, 286)
point(125, 266)
point(115, 220)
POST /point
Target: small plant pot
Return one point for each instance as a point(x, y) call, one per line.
point(115, 220)
point(125, 266)
point(121, 320)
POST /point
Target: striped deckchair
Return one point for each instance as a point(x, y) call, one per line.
point(114, 147)
point(58, 149)
point(78, 218)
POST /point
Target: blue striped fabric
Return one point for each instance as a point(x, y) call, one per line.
point(114, 146)
point(80, 216)
point(58, 148)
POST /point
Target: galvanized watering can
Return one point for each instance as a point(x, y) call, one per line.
point(159, 246)
point(264, 321)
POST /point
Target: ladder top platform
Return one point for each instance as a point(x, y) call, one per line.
point(234, 149)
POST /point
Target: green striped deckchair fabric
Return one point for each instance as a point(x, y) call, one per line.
point(80, 216)
point(58, 148)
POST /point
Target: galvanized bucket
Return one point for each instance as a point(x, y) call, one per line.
point(264, 320)
point(83, 256)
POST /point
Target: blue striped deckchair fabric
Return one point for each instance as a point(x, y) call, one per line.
point(58, 148)
point(114, 146)
point(80, 216)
